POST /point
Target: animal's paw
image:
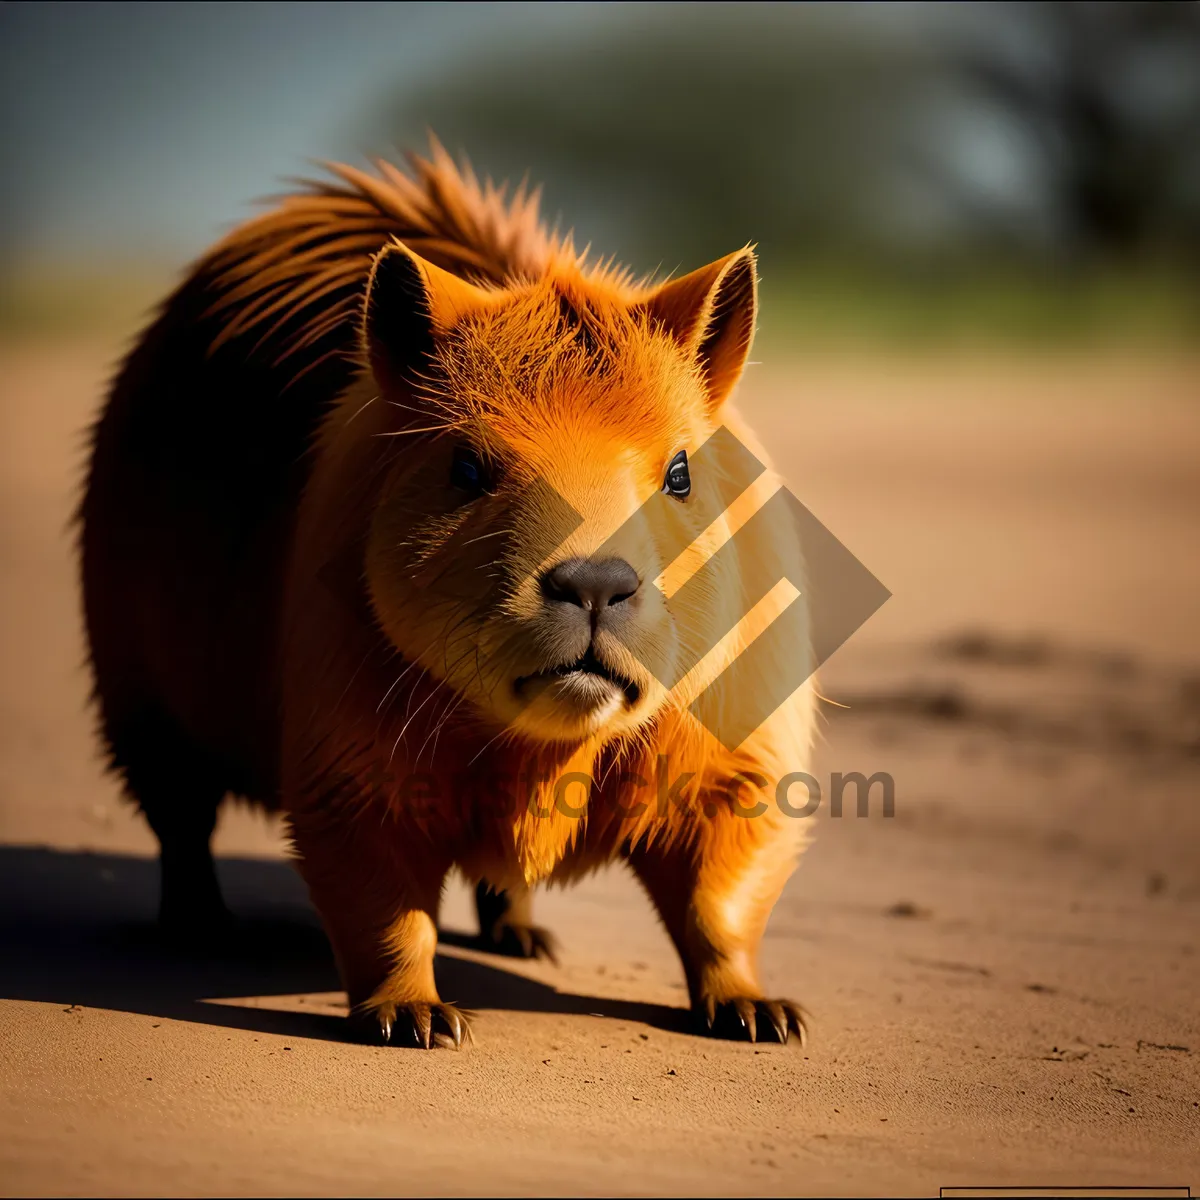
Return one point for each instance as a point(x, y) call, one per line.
point(521, 941)
point(414, 1024)
point(746, 1018)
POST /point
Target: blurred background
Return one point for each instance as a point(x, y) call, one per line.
point(909, 171)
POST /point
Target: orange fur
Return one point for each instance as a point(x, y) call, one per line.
point(286, 598)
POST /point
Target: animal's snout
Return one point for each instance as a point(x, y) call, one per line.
point(591, 584)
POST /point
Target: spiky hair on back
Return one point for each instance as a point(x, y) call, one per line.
point(289, 278)
point(276, 309)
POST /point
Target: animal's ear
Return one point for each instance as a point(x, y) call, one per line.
point(410, 303)
point(711, 314)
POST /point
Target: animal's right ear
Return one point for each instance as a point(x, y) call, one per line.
point(711, 314)
point(410, 304)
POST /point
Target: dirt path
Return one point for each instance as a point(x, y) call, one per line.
point(1004, 974)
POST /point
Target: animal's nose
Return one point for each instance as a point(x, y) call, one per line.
point(592, 584)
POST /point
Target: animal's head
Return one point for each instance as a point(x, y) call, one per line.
point(545, 475)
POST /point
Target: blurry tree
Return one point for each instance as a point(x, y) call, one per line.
point(676, 133)
point(1109, 94)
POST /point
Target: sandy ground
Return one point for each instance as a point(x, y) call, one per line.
point(1003, 975)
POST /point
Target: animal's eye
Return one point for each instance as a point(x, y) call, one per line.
point(678, 482)
point(468, 472)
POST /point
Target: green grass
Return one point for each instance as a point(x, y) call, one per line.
point(999, 308)
point(825, 307)
point(54, 302)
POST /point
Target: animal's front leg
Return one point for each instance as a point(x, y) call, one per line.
point(379, 906)
point(715, 886)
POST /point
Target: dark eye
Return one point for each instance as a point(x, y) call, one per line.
point(468, 473)
point(678, 482)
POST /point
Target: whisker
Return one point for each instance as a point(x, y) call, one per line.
point(391, 433)
point(361, 409)
point(483, 537)
point(407, 723)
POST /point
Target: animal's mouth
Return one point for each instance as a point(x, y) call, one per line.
point(586, 671)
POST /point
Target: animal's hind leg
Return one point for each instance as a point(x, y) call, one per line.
point(179, 792)
point(506, 924)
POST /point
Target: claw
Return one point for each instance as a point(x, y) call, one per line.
point(414, 1024)
point(781, 1017)
point(745, 1010)
point(523, 941)
point(371, 1028)
point(798, 1020)
point(423, 1024)
point(778, 1018)
point(455, 1022)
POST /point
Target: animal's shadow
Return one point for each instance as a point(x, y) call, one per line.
point(76, 928)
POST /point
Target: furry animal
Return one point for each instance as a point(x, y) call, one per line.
point(365, 539)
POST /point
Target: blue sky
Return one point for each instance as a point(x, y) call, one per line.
point(146, 129)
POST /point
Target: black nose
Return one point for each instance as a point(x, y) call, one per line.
point(591, 583)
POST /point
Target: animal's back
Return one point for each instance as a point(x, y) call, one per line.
point(202, 450)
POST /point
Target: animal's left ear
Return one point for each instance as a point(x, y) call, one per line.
point(410, 304)
point(711, 314)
